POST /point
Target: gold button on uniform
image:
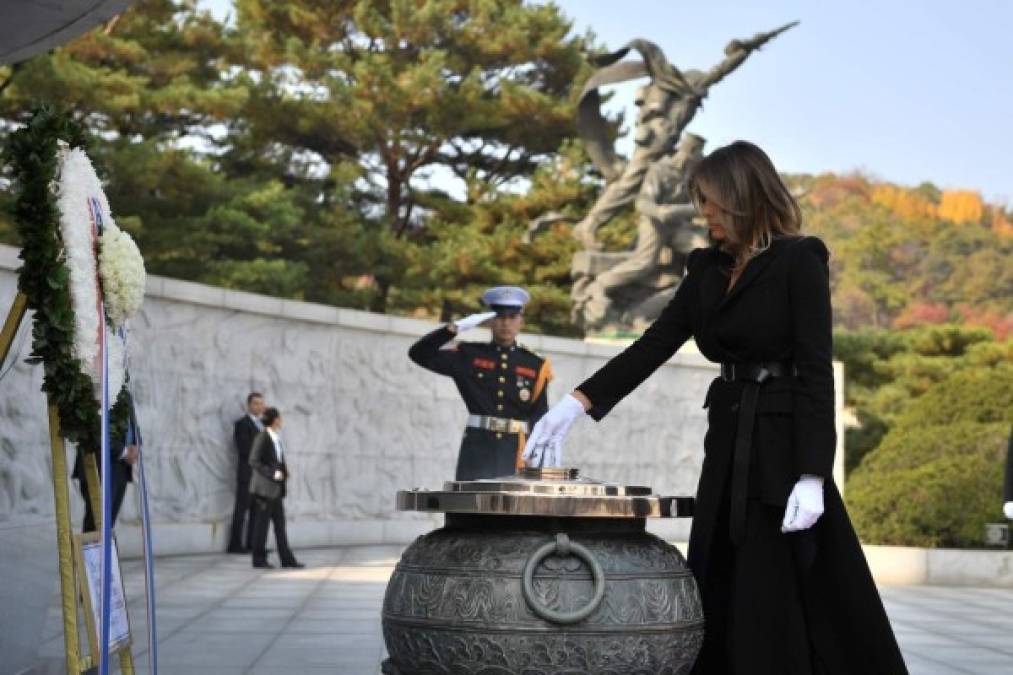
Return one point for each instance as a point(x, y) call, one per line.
point(502, 379)
point(499, 435)
point(500, 393)
point(499, 406)
point(503, 366)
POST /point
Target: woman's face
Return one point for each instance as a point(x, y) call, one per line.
point(719, 221)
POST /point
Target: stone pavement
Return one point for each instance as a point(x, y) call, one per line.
point(219, 616)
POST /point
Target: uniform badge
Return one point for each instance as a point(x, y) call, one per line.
point(525, 394)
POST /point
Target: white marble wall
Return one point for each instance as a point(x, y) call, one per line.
point(361, 421)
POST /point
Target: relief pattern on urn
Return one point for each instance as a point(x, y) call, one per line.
point(542, 573)
point(454, 605)
point(440, 652)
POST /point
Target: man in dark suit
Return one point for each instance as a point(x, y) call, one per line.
point(124, 452)
point(267, 487)
point(245, 430)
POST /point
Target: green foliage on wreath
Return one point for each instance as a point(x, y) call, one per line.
point(45, 279)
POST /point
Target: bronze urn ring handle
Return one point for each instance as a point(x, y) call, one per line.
point(562, 547)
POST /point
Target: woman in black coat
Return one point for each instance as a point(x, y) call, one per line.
point(785, 587)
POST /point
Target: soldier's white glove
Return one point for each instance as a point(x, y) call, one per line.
point(545, 446)
point(805, 504)
point(1007, 509)
point(472, 320)
point(278, 475)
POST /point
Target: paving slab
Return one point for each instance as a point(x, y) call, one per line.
point(219, 615)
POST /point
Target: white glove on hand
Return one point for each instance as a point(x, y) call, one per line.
point(1007, 509)
point(472, 320)
point(805, 504)
point(545, 445)
point(278, 475)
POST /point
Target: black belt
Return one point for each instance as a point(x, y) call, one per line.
point(756, 372)
point(754, 375)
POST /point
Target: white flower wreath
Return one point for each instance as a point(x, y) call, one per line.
point(83, 207)
point(122, 270)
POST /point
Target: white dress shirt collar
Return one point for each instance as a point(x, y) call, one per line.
point(276, 437)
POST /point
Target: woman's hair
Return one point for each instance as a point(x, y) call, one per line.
point(742, 181)
point(269, 416)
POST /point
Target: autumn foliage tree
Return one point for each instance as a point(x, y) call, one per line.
point(961, 206)
point(904, 257)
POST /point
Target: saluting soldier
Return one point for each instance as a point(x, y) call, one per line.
point(503, 384)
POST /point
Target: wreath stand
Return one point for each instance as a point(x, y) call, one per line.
point(71, 592)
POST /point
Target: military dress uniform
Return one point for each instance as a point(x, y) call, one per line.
point(504, 388)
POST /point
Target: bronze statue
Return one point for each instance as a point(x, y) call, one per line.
point(628, 289)
point(643, 279)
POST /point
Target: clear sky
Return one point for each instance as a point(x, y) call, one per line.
point(904, 90)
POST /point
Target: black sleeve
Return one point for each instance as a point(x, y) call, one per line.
point(257, 452)
point(812, 351)
point(426, 352)
point(624, 373)
point(242, 437)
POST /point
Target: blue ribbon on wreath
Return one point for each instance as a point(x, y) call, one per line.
point(106, 531)
point(134, 438)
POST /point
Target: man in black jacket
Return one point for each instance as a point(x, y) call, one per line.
point(245, 430)
point(268, 487)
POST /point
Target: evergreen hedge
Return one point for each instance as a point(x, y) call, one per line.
point(936, 478)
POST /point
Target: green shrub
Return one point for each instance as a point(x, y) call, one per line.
point(936, 478)
point(863, 439)
point(975, 394)
point(860, 351)
point(887, 372)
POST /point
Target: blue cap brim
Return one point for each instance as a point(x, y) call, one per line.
point(506, 310)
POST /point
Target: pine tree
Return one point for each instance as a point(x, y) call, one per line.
point(465, 250)
point(151, 87)
point(293, 151)
point(391, 92)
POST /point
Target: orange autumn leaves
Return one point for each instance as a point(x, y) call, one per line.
point(956, 206)
point(912, 256)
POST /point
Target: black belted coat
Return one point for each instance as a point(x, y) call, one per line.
point(784, 604)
